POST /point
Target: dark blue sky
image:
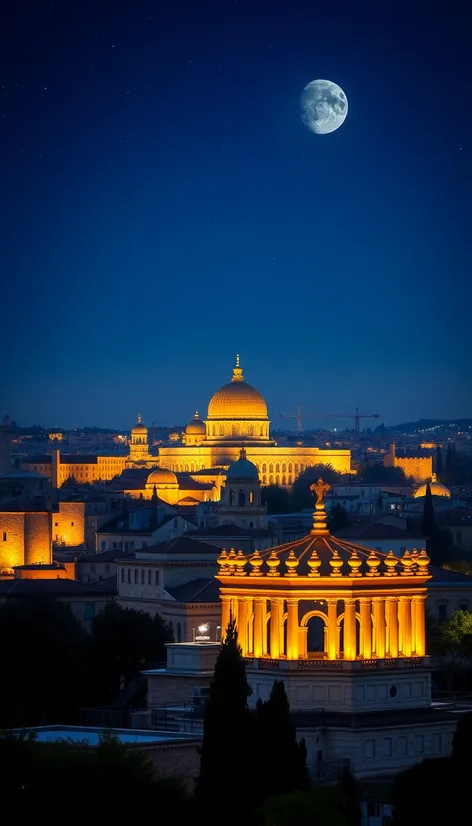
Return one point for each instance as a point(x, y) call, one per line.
point(163, 207)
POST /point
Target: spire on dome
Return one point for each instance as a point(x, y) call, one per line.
point(320, 527)
point(196, 415)
point(139, 418)
point(242, 453)
point(237, 371)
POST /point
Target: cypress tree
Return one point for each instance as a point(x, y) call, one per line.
point(225, 753)
point(351, 798)
point(427, 522)
point(439, 462)
point(281, 759)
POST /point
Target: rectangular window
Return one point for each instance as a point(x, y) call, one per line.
point(129, 576)
point(149, 577)
point(156, 578)
point(104, 545)
point(56, 524)
point(89, 611)
point(143, 573)
point(122, 574)
point(136, 573)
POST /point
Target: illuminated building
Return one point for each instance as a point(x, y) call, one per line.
point(344, 627)
point(139, 445)
point(419, 468)
point(437, 489)
point(237, 417)
point(29, 527)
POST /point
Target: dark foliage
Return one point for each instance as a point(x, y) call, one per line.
point(124, 641)
point(277, 499)
point(44, 663)
point(302, 496)
point(281, 759)
point(428, 524)
point(106, 779)
point(351, 798)
point(338, 518)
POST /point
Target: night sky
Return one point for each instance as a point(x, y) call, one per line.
point(164, 207)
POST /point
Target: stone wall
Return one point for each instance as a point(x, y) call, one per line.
point(164, 688)
point(180, 759)
point(69, 523)
point(12, 540)
point(37, 548)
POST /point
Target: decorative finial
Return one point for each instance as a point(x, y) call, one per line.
point(320, 527)
point(139, 418)
point(197, 415)
point(242, 453)
point(237, 371)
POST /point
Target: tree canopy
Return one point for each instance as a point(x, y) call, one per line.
point(110, 774)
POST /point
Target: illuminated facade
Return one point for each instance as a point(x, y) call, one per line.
point(139, 445)
point(420, 468)
point(237, 417)
point(370, 605)
point(437, 489)
point(344, 627)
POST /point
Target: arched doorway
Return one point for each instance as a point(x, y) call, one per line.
point(315, 642)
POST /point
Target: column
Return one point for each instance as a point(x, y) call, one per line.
point(242, 625)
point(392, 609)
point(259, 626)
point(333, 637)
point(366, 628)
point(419, 638)
point(349, 629)
point(234, 609)
point(292, 629)
point(379, 625)
point(225, 609)
point(276, 618)
point(405, 626)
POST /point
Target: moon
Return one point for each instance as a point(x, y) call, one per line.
point(323, 106)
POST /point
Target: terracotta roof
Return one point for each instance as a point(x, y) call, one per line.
point(199, 590)
point(327, 548)
point(104, 556)
point(181, 545)
point(56, 587)
point(25, 506)
point(376, 530)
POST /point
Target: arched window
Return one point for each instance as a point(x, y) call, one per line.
point(277, 468)
point(251, 525)
point(296, 470)
point(277, 479)
point(302, 468)
point(251, 430)
point(231, 497)
point(222, 430)
point(241, 499)
point(264, 468)
point(179, 632)
point(262, 430)
point(290, 467)
point(264, 480)
point(186, 468)
point(284, 480)
point(271, 469)
point(4, 536)
point(271, 480)
point(251, 497)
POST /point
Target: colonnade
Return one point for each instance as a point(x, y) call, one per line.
point(386, 626)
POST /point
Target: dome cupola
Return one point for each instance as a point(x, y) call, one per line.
point(237, 400)
point(243, 470)
point(196, 427)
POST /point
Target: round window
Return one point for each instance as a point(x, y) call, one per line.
point(393, 691)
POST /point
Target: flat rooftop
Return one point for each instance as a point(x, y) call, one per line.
point(80, 734)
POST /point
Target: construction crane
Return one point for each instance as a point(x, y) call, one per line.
point(357, 417)
point(299, 416)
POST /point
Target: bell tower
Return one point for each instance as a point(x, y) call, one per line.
point(139, 443)
point(240, 502)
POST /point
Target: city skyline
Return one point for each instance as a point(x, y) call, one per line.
point(166, 208)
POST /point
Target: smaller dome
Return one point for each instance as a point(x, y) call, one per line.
point(162, 476)
point(437, 489)
point(139, 427)
point(243, 469)
point(196, 427)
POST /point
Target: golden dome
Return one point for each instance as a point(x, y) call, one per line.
point(437, 489)
point(161, 476)
point(237, 400)
point(139, 428)
point(196, 427)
